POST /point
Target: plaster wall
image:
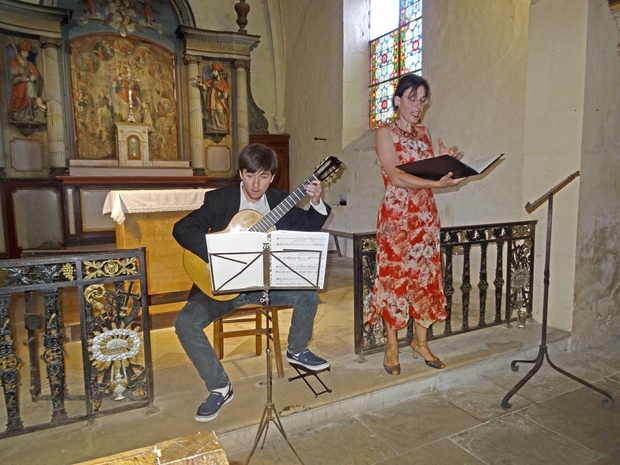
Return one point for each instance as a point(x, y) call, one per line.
point(474, 56)
point(356, 194)
point(355, 69)
point(554, 113)
point(220, 15)
point(596, 315)
point(313, 104)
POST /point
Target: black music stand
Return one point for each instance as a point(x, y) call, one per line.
point(542, 351)
point(244, 265)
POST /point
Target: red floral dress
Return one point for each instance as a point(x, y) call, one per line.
point(408, 273)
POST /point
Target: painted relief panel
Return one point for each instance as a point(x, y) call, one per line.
point(25, 90)
point(123, 15)
point(120, 79)
point(214, 85)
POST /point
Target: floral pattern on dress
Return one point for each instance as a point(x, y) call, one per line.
point(408, 262)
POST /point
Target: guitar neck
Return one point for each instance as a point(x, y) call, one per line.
point(271, 218)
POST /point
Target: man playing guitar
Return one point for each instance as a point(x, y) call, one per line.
point(257, 168)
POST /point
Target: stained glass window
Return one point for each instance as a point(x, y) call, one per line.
point(393, 54)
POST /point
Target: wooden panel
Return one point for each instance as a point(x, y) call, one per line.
point(279, 143)
point(8, 187)
point(164, 256)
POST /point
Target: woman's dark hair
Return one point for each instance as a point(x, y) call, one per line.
point(258, 157)
point(408, 81)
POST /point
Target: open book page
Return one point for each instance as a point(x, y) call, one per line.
point(296, 261)
point(482, 163)
point(437, 167)
point(236, 260)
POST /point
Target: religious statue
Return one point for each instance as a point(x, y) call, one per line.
point(40, 110)
point(104, 116)
point(26, 82)
point(214, 91)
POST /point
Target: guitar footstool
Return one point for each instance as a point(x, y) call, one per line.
point(303, 373)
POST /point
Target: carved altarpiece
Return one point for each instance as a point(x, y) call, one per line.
point(112, 76)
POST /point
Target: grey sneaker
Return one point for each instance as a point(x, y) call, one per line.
point(209, 409)
point(307, 360)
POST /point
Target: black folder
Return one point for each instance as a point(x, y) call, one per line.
point(437, 167)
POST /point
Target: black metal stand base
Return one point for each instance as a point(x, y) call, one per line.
point(307, 373)
point(542, 354)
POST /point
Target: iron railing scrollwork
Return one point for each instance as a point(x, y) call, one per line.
point(115, 336)
point(466, 246)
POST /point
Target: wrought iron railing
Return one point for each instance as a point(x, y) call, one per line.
point(115, 342)
point(459, 245)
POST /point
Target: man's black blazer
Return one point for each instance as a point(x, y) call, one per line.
point(221, 205)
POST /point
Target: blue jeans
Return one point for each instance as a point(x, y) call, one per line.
point(196, 315)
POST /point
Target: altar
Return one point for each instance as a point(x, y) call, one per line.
point(145, 218)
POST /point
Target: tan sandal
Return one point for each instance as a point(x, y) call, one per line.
point(434, 363)
point(390, 359)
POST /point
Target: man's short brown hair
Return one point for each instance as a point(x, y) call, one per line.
point(258, 157)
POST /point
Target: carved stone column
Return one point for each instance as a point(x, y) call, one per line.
point(243, 123)
point(56, 121)
point(196, 142)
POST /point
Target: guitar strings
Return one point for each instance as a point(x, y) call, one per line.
point(271, 218)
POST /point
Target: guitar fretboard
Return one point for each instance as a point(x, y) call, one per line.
point(271, 218)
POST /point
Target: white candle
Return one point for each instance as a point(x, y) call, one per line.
point(129, 96)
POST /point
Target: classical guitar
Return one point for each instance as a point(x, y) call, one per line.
point(250, 220)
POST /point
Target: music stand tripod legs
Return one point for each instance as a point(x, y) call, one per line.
point(542, 352)
point(270, 413)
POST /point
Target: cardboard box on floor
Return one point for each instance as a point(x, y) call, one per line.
point(195, 449)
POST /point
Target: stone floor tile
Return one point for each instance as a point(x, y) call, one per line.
point(482, 400)
point(177, 380)
point(584, 364)
point(442, 452)
point(545, 384)
point(414, 423)
point(581, 416)
point(609, 351)
point(170, 360)
point(513, 439)
point(345, 442)
point(275, 452)
point(609, 459)
point(615, 378)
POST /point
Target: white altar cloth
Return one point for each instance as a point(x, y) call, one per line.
point(117, 203)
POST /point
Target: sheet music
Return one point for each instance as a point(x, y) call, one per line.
point(482, 163)
point(304, 259)
point(298, 260)
point(235, 260)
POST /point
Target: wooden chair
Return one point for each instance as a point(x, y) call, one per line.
point(250, 314)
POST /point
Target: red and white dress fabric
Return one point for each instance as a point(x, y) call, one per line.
point(408, 264)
